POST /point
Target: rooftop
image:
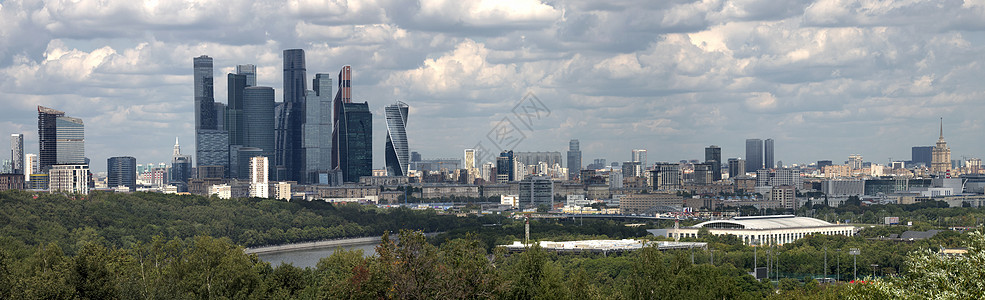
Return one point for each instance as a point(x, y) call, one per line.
point(764, 222)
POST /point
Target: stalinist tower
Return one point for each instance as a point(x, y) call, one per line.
point(941, 155)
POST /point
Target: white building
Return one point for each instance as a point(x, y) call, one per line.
point(283, 191)
point(223, 191)
point(511, 200)
point(259, 179)
point(69, 179)
point(766, 230)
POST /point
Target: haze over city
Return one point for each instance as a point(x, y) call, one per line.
point(824, 79)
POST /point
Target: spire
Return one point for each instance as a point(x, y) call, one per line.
point(942, 128)
point(177, 149)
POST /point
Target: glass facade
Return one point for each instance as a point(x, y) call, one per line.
point(397, 151)
point(258, 115)
point(318, 128)
point(754, 155)
point(70, 139)
point(289, 157)
point(356, 141)
point(47, 142)
point(121, 171)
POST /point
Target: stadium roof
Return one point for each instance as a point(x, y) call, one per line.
point(764, 222)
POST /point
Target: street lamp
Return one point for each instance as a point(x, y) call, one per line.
point(854, 252)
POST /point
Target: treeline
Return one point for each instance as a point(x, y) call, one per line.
point(924, 215)
point(208, 268)
point(122, 220)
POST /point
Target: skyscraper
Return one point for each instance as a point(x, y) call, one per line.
point(639, 155)
point(754, 155)
point(318, 129)
point(70, 140)
point(713, 156)
point(259, 178)
point(736, 167)
point(258, 115)
point(469, 161)
point(205, 117)
point(47, 142)
point(941, 163)
point(181, 168)
point(574, 159)
point(30, 165)
point(250, 71)
point(355, 142)
point(922, 155)
point(505, 167)
point(17, 153)
point(289, 153)
point(342, 96)
point(768, 155)
point(235, 121)
point(397, 151)
point(121, 171)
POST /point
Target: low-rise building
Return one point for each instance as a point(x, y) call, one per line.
point(765, 230)
point(651, 203)
point(69, 179)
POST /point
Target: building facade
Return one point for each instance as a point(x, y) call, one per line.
point(259, 177)
point(17, 153)
point(318, 130)
point(69, 179)
point(121, 171)
point(574, 159)
point(355, 142)
point(535, 191)
point(713, 156)
point(397, 153)
point(768, 159)
point(766, 230)
point(754, 155)
point(941, 155)
point(289, 157)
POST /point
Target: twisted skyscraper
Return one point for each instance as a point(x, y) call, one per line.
point(397, 151)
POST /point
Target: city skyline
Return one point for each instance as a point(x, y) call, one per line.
point(727, 73)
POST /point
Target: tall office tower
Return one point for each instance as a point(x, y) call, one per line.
point(713, 156)
point(922, 155)
point(259, 177)
point(17, 153)
point(235, 120)
point(505, 167)
point(69, 178)
point(754, 155)
point(181, 167)
point(855, 162)
point(574, 159)
point(639, 155)
point(397, 151)
point(768, 155)
point(355, 142)
point(30, 165)
point(47, 143)
point(469, 162)
point(941, 160)
point(213, 151)
point(220, 116)
point(318, 129)
point(342, 96)
point(121, 171)
point(258, 115)
point(736, 167)
point(289, 151)
point(206, 123)
point(70, 141)
point(250, 71)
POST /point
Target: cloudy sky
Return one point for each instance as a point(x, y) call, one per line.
point(825, 79)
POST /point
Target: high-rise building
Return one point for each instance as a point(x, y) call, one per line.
point(69, 178)
point(207, 133)
point(533, 158)
point(17, 153)
point(30, 165)
point(259, 177)
point(639, 155)
point(922, 155)
point(235, 120)
point(250, 71)
point(665, 176)
point(70, 140)
point(258, 112)
point(355, 142)
point(318, 129)
point(397, 150)
point(469, 162)
point(47, 141)
point(505, 167)
point(574, 159)
point(121, 171)
point(855, 162)
point(941, 160)
point(754, 155)
point(713, 156)
point(768, 155)
point(736, 167)
point(289, 151)
point(181, 168)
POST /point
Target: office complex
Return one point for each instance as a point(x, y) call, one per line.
point(941, 155)
point(736, 167)
point(258, 111)
point(17, 154)
point(209, 147)
point(574, 159)
point(639, 155)
point(354, 143)
point(235, 120)
point(121, 171)
point(769, 160)
point(61, 139)
point(535, 191)
point(318, 129)
point(397, 155)
point(922, 155)
point(289, 155)
point(713, 156)
point(754, 155)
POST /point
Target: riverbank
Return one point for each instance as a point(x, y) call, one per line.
point(314, 245)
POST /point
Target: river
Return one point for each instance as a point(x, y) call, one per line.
point(309, 257)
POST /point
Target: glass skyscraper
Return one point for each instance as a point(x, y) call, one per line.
point(397, 153)
point(355, 143)
point(70, 140)
point(754, 155)
point(250, 71)
point(121, 171)
point(235, 86)
point(318, 129)
point(17, 153)
point(289, 153)
point(211, 143)
point(713, 156)
point(574, 159)
point(47, 143)
point(258, 115)
point(769, 161)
